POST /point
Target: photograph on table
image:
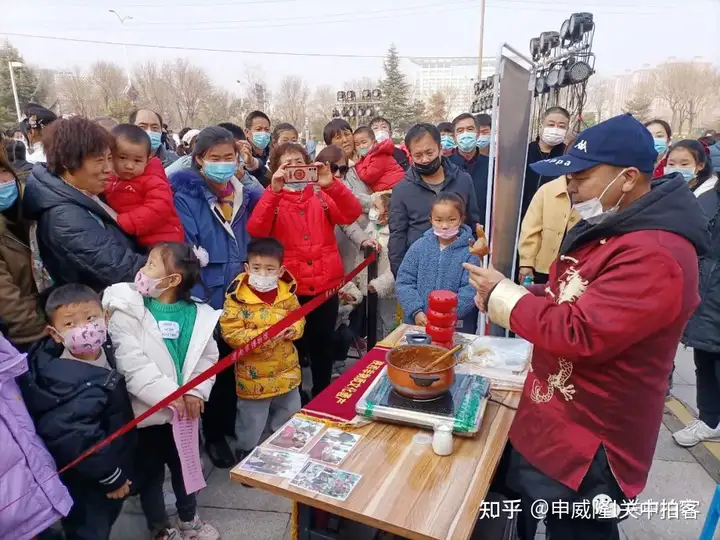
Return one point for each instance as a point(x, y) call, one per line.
point(334, 446)
point(296, 434)
point(324, 480)
point(274, 462)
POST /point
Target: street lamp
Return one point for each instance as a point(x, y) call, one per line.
point(127, 58)
point(12, 65)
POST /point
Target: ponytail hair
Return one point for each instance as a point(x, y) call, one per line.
point(181, 259)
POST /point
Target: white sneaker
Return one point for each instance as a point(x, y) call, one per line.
point(695, 432)
point(197, 529)
point(168, 534)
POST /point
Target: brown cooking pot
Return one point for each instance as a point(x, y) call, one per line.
point(408, 377)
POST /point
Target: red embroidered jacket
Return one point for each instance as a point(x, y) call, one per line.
point(605, 335)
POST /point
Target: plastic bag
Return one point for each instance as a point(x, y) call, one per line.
point(510, 354)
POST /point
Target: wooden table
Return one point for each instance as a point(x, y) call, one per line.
point(418, 496)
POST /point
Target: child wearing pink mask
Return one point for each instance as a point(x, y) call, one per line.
point(163, 339)
point(434, 262)
point(76, 400)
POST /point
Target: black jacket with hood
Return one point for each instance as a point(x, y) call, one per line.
point(669, 206)
point(74, 406)
point(79, 241)
point(703, 330)
point(410, 206)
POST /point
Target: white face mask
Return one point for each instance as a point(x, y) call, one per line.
point(373, 215)
point(553, 136)
point(592, 210)
point(381, 135)
point(263, 283)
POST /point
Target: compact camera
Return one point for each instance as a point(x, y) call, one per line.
point(302, 174)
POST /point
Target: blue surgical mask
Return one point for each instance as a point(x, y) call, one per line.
point(362, 152)
point(688, 173)
point(467, 142)
point(483, 141)
point(155, 140)
point(261, 139)
point(220, 171)
point(660, 145)
point(8, 195)
point(448, 142)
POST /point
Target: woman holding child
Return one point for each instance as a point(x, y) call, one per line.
point(214, 208)
point(77, 234)
point(303, 218)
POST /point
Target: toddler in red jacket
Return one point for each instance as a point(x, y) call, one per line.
point(377, 166)
point(139, 190)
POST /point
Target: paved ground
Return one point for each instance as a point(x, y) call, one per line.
point(241, 513)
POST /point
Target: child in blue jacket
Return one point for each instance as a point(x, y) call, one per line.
point(434, 262)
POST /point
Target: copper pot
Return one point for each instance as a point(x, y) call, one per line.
point(409, 379)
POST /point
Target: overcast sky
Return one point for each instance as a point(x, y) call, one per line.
point(629, 33)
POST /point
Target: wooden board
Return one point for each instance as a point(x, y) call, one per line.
point(415, 495)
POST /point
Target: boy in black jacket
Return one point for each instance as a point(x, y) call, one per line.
point(77, 399)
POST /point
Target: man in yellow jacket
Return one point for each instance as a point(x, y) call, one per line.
point(268, 378)
point(548, 218)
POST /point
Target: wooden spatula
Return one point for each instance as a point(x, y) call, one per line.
point(452, 351)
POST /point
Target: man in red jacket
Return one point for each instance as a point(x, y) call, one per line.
point(604, 332)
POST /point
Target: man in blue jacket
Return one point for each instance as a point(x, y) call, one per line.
point(471, 157)
point(413, 196)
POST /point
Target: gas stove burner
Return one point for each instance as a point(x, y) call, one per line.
point(443, 404)
point(418, 400)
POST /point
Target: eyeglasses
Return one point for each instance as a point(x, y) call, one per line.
point(342, 169)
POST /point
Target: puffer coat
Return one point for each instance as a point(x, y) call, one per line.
point(79, 241)
point(28, 479)
point(304, 223)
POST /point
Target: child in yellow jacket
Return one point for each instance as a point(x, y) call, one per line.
point(268, 378)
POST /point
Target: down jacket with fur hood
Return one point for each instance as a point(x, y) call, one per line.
point(226, 243)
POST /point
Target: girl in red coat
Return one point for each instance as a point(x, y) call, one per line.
point(377, 166)
point(139, 190)
point(303, 218)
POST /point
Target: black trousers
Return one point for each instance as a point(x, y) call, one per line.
point(157, 450)
point(707, 370)
point(92, 514)
point(218, 420)
point(318, 338)
point(541, 279)
point(517, 479)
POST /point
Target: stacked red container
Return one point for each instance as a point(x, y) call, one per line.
point(442, 318)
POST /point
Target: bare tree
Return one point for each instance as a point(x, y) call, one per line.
point(436, 111)
point(599, 93)
point(189, 86)
point(222, 106)
point(255, 88)
point(110, 81)
point(705, 90)
point(76, 93)
point(320, 109)
point(291, 101)
point(153, 91)
point(687, 88)
point(451, 94)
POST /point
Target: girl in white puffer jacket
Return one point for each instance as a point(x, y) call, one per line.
point(163, 339)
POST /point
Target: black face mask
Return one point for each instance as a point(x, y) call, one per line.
point(428, 169)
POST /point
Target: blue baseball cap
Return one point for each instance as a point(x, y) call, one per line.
point(621, 141)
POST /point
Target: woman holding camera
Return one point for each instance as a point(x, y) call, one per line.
point(303, 216)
